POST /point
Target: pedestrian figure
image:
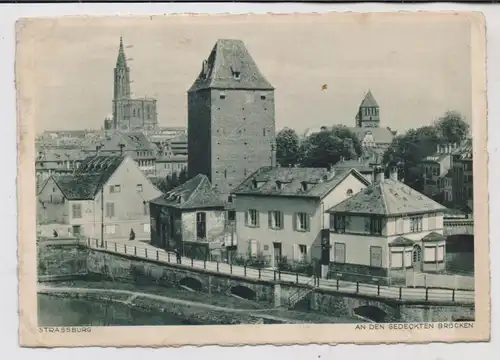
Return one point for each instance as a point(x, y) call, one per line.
point(132, 235)
point(55, 234)
point(178, 257)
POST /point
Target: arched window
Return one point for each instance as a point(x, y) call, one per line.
point(349, 192)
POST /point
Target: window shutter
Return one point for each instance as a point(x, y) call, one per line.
point(295, 221)
point(246, 218)
point(270, 219)
point(308, 222)
point(367, 224)
point(282, 223)
point(257, 218)
point(308, 254)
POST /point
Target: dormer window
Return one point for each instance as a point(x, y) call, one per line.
point(222, 95)
point(257, 184)
point(279, 185)
point(305, 186)
point(236, 75)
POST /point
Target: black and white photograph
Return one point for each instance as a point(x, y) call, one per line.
point(191, 172)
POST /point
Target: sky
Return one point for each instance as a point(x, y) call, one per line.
point(417, 67)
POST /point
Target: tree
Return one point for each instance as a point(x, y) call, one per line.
point(172, 181)
point(452, 127)
point(325, 148)
point(287, 147)
point(407, 151)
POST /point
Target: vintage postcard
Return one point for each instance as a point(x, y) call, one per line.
point(253, 179)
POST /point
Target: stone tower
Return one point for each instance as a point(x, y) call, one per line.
point(231, 124)
point(130, 114)
point(368, 113)
point(121, 84)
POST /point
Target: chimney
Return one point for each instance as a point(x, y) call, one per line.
point(121, 148)
point(97, 149)
point(394, 173)
point(379, 174)
point(273, 156)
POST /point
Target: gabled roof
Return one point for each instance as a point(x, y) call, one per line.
point(436, 158)
point(387, 197)
point(402, 241)
point(369, 100)
point(362, 165)
point(227, 58)
point(89, 178)
point(289, 182)
point(195, 193)
point(465, 150)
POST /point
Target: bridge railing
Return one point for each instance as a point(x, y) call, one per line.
point(373, 290)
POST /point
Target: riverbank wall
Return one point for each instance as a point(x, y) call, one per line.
point(129, 269)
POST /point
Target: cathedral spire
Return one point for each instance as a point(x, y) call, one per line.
point(121, 61)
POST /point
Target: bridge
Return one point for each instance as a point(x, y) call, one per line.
point(458, 226)
point(129, 262)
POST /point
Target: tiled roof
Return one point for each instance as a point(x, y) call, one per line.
point(436, 158)
point(171, 158)
point(195, 193)
point(55, 155)
point(131, 140)
point(283, 181)
point(380, 134)
point(465, 150)
point(433, 236)
point(402, 241)
point(227, 58)
point(369, 100)
point(387, 197)
point(89, 178)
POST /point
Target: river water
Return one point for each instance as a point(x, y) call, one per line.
point(57, 311)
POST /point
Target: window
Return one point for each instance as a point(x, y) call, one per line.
point(302, 253)
point(231, 215)
point(339, 253)
point(222, 95)
point(339, 223)
point(263, 132)
point(429, 253)
point(236, 75)
point(275, 220)
point(416, 224)
point(147, 228)
point(114, 189)
point(110, 210)
point(201, 227)
point(77, 211)
point(139, 187)
point(253, 247)
point(349, 192)
point(110, 229)
point(375, 225)
point(146, 208)
point(252, 218)
point(302, 222)
point(263, 97)
point(400, 222)
point(375, 256)
point(440, 253)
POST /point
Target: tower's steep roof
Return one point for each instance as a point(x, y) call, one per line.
point(369, 100)
point(230, 66)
